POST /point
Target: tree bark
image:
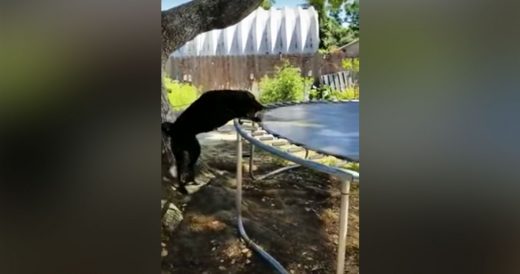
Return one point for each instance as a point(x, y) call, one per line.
point(182, 23)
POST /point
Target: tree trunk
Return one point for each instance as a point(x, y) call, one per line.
point(166, 116)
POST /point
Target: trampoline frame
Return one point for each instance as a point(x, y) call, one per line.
point(345, 176)
point(272, 173)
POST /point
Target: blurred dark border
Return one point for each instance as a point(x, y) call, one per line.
point(80, 137)
point(439, 137)
point(79, 129)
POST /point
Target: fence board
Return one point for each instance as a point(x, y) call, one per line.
point(341, 81)
point(220, 72)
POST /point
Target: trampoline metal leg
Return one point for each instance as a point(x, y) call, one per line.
point(251, 156)
point(239, 176)
point(280, 170)
point(266, 256)
point(343, 226)
point(261, 177)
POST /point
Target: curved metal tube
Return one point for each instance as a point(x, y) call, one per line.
point(346, 176)
point(272, 261)
point(274, 172)
point(343, 174)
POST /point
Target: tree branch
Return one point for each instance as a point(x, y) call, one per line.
point(184, 22)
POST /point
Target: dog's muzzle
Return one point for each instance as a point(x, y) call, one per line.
point(255, 117)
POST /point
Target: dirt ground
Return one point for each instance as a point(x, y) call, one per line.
point(293, 216)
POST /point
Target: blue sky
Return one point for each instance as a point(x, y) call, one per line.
point(166, 4)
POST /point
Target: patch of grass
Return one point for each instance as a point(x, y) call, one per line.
point(328, 93)
point(266, 156)
point(180, 95)
point(333, 161)
point(351, 93)
point(327, 160)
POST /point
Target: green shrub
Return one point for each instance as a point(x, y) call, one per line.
point(326, 92)
point(286, 85)
point(351, 64)
point(351, 93)
point(180, 95)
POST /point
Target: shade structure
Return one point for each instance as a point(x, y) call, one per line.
point(263, 32)
point(331, 128)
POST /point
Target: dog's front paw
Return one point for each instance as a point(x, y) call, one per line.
point(190, 177)
point(173, 171)
point(183, 190)
point(256, 119)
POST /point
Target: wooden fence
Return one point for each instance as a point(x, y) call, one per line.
point(244, 72)
point(340, 80)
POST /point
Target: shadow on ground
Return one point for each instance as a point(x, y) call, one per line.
point(293, 216)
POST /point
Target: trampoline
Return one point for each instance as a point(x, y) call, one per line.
point(329, 128)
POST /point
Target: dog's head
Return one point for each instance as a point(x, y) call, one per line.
point(248, 107)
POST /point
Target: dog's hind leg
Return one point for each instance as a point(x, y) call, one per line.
point(181, 162)
point(194, 153)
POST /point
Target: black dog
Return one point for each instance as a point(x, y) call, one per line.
point(212, 110)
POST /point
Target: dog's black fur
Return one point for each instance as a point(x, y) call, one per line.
point(212, 110)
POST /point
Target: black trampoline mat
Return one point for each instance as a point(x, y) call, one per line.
point(329, 128)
